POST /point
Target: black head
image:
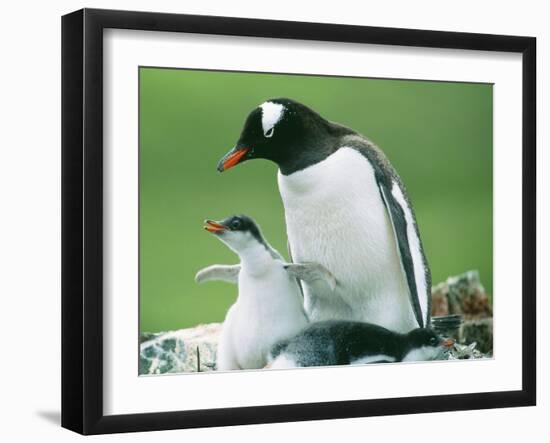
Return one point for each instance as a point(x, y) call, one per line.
point(237, 231)
point(285, 132)
point(420, 337)
point(236, 223)
point(425, 344)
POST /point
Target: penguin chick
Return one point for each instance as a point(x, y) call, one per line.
point(334, 342)
point(269, 306)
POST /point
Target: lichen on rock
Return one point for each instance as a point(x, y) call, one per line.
point(183, 350)
point(463, 295)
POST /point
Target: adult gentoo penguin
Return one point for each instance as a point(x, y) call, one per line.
point(346, 209)
point(330, 343)
point(269, 306)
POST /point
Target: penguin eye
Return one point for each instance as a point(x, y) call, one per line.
point(269, 133)
point(235, 224)
point(433, 341)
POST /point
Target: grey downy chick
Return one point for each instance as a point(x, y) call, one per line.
point(337, 342)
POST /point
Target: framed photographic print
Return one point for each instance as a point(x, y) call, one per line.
point(269, 221)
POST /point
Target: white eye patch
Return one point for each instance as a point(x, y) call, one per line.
point(271, 115)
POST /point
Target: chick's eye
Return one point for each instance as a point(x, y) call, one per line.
point(269, 133)
point(236, 224)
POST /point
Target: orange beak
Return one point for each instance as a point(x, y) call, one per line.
point(448, 343)
point(232, 158)
point(212, 226)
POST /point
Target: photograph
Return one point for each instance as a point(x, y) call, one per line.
point(294, 221)
point(272, 221)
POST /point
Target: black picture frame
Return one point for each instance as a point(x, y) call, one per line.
point(82, 220)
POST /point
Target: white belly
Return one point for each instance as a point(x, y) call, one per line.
point(335, 216)
point(268, 309)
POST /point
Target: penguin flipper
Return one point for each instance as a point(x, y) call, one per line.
point(410, 251)
point(310, 272)
point(405, 230)
point(227, 273)
point(291, 260)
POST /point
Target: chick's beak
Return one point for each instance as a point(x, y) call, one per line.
point(232, 158)
point(213, 226)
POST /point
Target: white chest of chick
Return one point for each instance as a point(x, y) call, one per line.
point(268, 309)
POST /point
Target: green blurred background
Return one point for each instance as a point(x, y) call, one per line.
point(438, 135)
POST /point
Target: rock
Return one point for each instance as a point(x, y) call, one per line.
point(440, 304)
point(464, 352)
point(147, 336)
point(463, 295)
point(478, 331)
point(184, 350)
